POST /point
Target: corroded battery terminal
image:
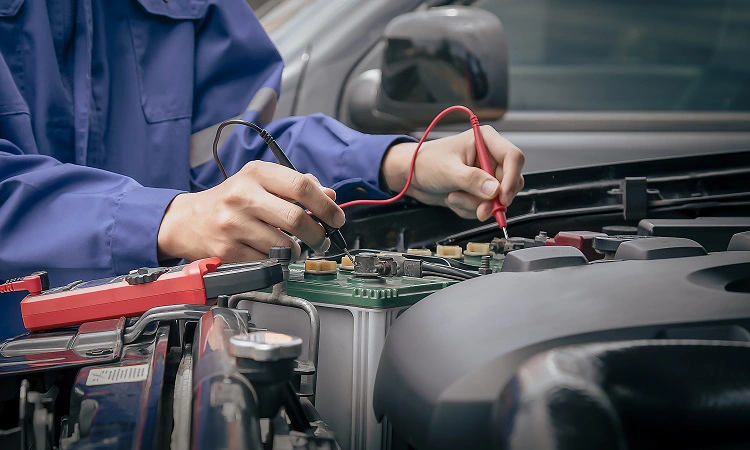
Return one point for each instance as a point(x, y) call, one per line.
point(370, 265)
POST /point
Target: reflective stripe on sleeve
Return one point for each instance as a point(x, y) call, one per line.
point(263, 105)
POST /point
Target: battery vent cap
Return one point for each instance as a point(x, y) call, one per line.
point(659, 248)
point(449, 251)
point(740, 242)
point(542, 258)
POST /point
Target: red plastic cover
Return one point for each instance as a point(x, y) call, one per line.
point(111, 300)
point(582, 240)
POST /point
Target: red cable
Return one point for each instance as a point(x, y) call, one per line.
point(32, 283)
point(498, 210)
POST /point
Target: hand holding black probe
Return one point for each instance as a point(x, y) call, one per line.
point(334, 234)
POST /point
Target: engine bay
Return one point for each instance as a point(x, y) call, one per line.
point(441, 333)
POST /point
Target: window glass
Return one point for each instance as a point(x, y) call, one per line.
point(627, 55)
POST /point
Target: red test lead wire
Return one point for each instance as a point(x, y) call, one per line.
point(498, 210)
point(34, 284)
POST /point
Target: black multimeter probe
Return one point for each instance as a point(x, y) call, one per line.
point(334, 234)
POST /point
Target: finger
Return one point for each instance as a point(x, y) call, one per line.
point(517, 188)
point(512, 166)
point(287, 183)
point(323, 247)
point(330, 193)
point(499, 173)
point(484, 211)
point(261, 237)
point(511, 160)
point(289, 217)
point(462, 213)
point(306, 190)
point(327, 191)
point(463, 204)
point(468, 206)
point(235, 251)
point(477, 182)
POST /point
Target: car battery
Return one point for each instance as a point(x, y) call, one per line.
point(355, 316)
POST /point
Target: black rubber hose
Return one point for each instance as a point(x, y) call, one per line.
point(435, 274)
point(445, 270)
point(294, 410)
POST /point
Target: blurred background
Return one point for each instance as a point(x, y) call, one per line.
point(621, 80)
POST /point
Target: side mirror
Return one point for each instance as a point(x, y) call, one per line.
point(433, 59)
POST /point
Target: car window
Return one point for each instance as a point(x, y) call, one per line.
point(633, 55)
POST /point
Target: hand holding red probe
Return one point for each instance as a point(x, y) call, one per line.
point(498, 210)
point(445, 172)
point(240, 219)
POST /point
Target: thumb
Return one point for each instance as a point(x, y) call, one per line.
point(478, 183)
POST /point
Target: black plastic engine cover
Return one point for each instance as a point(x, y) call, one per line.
point(646, 395)
point(448, 358)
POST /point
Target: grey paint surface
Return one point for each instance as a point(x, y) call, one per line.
point(554, 150)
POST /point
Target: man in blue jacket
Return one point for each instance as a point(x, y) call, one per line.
point(107, 113)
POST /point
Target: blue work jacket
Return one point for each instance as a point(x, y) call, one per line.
point(108, 110)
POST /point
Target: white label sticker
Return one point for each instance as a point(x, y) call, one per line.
point(114, 375)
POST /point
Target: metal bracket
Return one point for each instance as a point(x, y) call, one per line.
point(634, 197)
point(291, 302)
point(171, 312)
point(36, 418)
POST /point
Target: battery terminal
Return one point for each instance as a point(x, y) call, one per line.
point(477, 249)
point(319, 267)
point(346, 264)
point(449, 251)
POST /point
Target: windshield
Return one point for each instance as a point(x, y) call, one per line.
point(633, 55)
point(587, 55)
point(293, 24)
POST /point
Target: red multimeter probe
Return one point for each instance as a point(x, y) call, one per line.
point(137, 292)
point(498, 209)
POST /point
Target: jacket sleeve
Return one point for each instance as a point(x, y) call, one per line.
point(238, 72)
point(75, 222)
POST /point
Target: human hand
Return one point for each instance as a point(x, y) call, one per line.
point(239, 220)
point(446, 172)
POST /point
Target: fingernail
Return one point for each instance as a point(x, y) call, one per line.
point(339, 219)
point(489, 187)
point(324, 246)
